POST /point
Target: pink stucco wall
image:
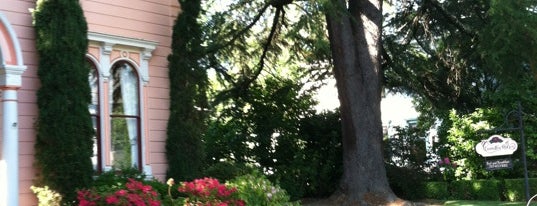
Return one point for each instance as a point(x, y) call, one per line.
point(142, 19)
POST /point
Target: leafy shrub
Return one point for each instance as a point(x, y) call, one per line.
point(275, 129)
point(131, 193)
point(118, 176)
point(406, 183)
point(436, 190)
point(227, 170)
point(46, 196)
point(256, 189)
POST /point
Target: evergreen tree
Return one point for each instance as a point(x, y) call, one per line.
point(188, 85)
point(64, 133)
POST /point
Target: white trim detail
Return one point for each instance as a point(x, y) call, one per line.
point(13, 36)
point(107, 43)
point(10, 81)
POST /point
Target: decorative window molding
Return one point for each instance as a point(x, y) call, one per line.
point(109, 42)
point(11, 64)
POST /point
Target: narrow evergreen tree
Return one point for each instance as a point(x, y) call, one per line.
point(64, 129)
point(188, 85)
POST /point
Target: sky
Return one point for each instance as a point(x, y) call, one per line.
point(396, 108)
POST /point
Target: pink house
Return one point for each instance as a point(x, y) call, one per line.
point(129, 41)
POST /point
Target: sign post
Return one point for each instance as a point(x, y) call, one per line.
point(502, 148)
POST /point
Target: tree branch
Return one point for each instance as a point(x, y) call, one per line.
point(248, 80)
point(451, 19)
point(241, 32)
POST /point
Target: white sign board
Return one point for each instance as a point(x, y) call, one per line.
point(496, 145)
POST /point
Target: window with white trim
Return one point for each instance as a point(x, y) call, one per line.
point(119, 72)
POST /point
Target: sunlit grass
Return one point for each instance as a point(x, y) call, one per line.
point(483, 203)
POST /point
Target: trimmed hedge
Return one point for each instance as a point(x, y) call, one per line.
point(436, 190)
point(476, 190)
point(188, 100)
point(64, 140)
point(494, 190)
point(514, 189)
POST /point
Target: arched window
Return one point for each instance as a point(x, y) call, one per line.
point(94, 109)
point(125, 116)
point(121, 71)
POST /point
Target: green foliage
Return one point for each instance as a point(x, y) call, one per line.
point(407, 183)
point(224, 171)
point(64, 129)
point(514, 189)
point(436, 190)
point(407, 148)
point(300, 148)
point(317, 171)
point(462, 138)
point(406, 161)
point(465, 57)
point(188, 101)
point(510, 29)
point(256, 189)
point(475, 189)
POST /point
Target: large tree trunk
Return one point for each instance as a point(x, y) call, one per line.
point(355, 41)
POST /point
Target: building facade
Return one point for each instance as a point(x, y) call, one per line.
point(129, 41)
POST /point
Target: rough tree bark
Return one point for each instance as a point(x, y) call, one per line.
point(355, 42)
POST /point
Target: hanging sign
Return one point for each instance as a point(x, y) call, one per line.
point(496, 164)
point(496, 145)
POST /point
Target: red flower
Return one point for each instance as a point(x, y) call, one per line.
point(112, 200)
point(209, 192)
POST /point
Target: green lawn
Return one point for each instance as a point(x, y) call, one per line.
point(483, 203)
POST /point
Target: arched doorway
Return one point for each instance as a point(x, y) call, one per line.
point(11, 69)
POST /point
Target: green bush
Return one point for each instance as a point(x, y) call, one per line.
point(487, 189)
point(515, 189)
point(188, 101)
point(64, 140)
point(256, 189)
point(406, 183)
point(475, 190)
point(224, 171)
point(436, 190)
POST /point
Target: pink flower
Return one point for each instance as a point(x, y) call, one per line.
point(135, 194)
point(446, 161)
point(112, 200)
point(209, 192)
point(121, 192)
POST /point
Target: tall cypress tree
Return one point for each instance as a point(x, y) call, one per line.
point(188, 85)
point(64, 129)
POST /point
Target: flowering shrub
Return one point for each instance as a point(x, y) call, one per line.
point(209, 192)
point(133, 193)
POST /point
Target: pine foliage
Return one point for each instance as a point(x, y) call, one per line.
point(64, 129)
point(188, 85)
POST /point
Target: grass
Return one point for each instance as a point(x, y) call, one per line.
point(483, 203)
